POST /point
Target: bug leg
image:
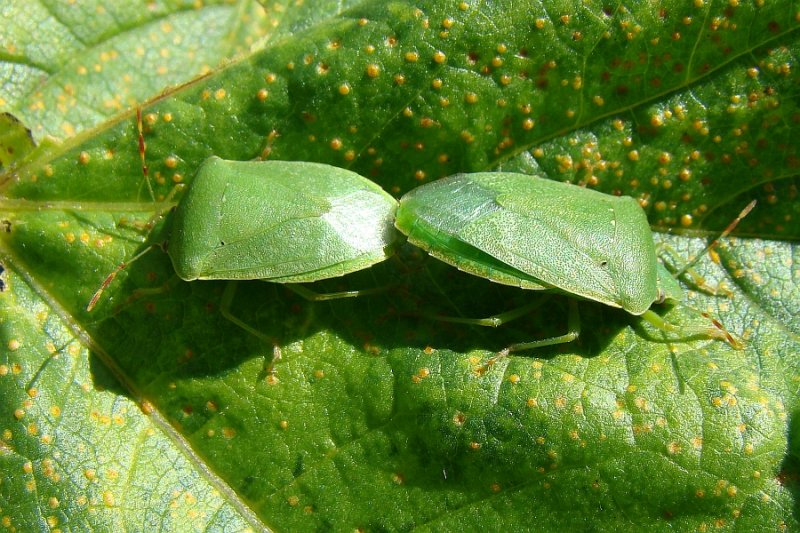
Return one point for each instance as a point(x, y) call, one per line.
point(573, 332)
point(502, 318)
point(491, 322)
point(681, 268)
point(268, 370)
point(313, 296)
point(140, 293)
point(716, 331)
point(225, 310)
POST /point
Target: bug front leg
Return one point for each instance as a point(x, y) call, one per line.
point(685, 332)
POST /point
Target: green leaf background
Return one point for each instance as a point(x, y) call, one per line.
point(154, 412)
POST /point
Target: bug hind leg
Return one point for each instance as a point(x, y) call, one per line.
point(225, 311)
point(572, 334)
point(313, 296)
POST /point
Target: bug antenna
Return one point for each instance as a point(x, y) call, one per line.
point(110, 278)
point(713, 244)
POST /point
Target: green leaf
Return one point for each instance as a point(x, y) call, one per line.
point(154, 411)
point(69, 66)
point(15, 141)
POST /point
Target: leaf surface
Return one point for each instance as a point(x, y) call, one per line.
point(154, 411)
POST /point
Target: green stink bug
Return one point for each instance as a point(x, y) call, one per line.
point(278, 221)
point(540, 234)
point(295, 222)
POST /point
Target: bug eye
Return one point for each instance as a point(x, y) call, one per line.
point(603, 263)
point(222, 243)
